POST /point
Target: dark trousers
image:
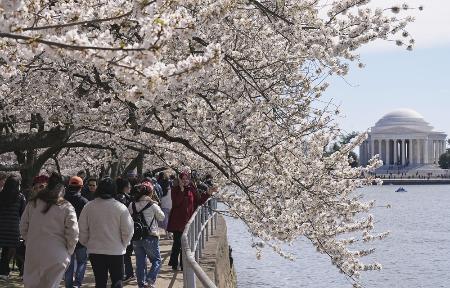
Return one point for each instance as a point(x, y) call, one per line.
point(6, 256)
point(176, 250)
point(127, 261)
point(102, 264)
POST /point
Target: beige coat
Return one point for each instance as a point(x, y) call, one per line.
point(50, 239)
point(106, 227)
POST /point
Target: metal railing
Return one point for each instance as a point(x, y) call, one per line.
point(201, 225)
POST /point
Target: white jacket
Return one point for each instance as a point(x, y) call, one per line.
point(106, 227)
point(152, 212)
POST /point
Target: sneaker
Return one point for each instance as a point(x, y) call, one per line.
point(128, 278)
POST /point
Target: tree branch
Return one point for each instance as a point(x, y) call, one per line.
point(75, 23)
point(67, 46)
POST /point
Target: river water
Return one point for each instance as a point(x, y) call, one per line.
point(416, 254)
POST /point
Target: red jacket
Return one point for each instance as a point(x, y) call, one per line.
point(183, 206)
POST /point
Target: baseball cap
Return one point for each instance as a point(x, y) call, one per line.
point(76, 181)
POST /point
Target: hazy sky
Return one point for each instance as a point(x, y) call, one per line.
point(395, 78)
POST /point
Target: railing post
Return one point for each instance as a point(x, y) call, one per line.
point(188, 272)
point(192, 239)
point(203, 222)
point(207, 225)
point(195, 238)
point(199, 223)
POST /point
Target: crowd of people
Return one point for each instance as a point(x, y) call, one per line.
point(54, 228)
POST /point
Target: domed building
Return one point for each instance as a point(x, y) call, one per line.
point(403, 138)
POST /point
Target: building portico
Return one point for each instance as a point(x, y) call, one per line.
point(403, 138)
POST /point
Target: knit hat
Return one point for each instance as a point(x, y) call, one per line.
point(76, 181)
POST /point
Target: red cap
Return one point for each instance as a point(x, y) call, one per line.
point(76, 181)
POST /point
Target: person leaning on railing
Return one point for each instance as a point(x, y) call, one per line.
point(185, 199)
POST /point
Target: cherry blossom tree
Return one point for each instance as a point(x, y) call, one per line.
point(232, 87)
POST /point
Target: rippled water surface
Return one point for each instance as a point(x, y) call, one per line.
point(416, 254)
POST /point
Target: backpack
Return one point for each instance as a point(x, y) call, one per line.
point(141, 229)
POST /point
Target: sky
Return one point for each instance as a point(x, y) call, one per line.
point(395, 78)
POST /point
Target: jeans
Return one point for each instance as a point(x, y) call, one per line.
point(147, 247)
point(102, 264)
point(80, 256)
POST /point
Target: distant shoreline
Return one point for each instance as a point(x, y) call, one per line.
point(431, 181)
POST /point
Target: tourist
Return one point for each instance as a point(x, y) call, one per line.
point(12, 204)
point(185, 200)
point(123, 196)
point(50, 229)
point(73, 195)
point(106, 229)
point(166, 199)
point(147, 246)
point(88, 191)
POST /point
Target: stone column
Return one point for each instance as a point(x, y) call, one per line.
point(388, 156)
point(425, 154)
point(372, 148)
point(417, 151)
point(436, 151)
point(395, 152)
point(410, 152)
point(403, 151)
point(379, 150)
point(366, 152)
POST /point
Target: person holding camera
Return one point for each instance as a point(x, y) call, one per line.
point(185, 199)
point(145, 209)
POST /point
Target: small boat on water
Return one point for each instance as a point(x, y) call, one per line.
point(401, 189)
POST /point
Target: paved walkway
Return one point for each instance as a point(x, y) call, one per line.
point(166, 278)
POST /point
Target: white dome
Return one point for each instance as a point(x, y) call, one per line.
point(402, 120)
point(403, 113)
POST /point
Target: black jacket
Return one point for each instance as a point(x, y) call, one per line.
point(9, 222)
point(123, 198)
point(77, 201)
